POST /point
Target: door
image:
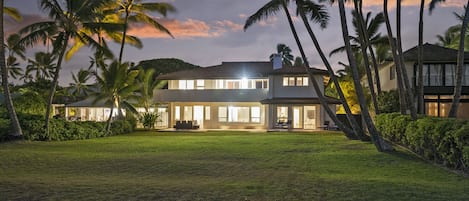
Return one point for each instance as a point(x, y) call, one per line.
point(310, 117)
point(199, 115)
point(297, 117)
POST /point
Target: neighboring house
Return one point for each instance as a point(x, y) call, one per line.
point(245, 95)
point(439, 65)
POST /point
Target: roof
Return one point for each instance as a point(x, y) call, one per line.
point(329, 100)
point(434, 53)
point(88, 103)
point(253, 69)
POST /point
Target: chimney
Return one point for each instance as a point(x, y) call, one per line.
point(277, 61)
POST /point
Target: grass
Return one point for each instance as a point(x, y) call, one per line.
point(220, 166)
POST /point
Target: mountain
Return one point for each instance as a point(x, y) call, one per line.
point(166, 65)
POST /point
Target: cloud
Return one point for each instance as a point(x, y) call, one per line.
point(392, 3)
point(187, 29)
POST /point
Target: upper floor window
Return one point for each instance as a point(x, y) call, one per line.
point(200, 84)
point(186, 84)
point(295, 81)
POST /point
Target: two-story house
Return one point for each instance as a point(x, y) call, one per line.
point(244, 95)
point(439, 65)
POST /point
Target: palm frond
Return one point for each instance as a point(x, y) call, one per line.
point(269, 9)
point(13, 13)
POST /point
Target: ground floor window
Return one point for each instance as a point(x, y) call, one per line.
point(282, 114)
point(222, 114)
point(256, 114)
point(239, 114)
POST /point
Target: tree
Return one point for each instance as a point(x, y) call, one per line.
point(298, 62)
point(285, 53)
point(116, 84)
point(69, 19)
point(378, 141)
point(270, 9)
point(460, 65)
point(148, 83)
point(135, 11)
point(43, 65)
point(15, 124)
point(78, 87)
point(449, 38)
point(14, 50)
point(317, 14)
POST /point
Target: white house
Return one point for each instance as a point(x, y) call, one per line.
point(244, 95)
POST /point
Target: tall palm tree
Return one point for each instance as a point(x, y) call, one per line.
point(16, 128)
point(69, 17)
point(116, 85)
point(148, 82)
point(14, 50)
point(460, 65)
point(378, 141)
point(449, 38)
point(271, 8)
point(285, 53)
point(317, 15)
point(136, 11)
point(43, 65)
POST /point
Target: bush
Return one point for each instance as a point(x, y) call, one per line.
point(121, 127)
point(389, 102)
point(148, 120)
point(4, 128)
point(443, 140)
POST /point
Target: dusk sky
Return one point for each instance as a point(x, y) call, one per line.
point(208, 32)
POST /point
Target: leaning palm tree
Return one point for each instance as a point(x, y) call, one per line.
point(79, 88)
point(460, 65)
point(378, 141)
point(136, 11)
point(116, 85)
point(449, 38)
point(16, 128)
point(68, 19)
point(285, 53)
point(271, 8)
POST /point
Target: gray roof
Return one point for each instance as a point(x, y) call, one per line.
point(435, 54)
point(256, 69)
point(329, 100)
point(89, 103)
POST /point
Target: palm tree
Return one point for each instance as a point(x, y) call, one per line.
point(285, 53)
point(15, 124)
point(298, 62)
point(449, 38)
point(135, 11)
point(378, 141)
point(148, 82)
point(318, 15)
point(116, 85)
point(78, 87)
point(69, 17)
point(43, 65)
point(271, 8)
point(14, 50)
point(460, 65)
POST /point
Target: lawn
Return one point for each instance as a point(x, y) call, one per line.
point(220, 166)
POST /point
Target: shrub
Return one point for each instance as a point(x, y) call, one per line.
point(389, 102)
point(4, 128)
point(148, 119)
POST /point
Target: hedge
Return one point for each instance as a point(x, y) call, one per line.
point(442, 140)
point(60, 129)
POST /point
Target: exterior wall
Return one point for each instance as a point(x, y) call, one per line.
point(211, 119)
point(277, 90)
point(319, 116)
point(385, 77)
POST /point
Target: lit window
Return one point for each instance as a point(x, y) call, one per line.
point(291, 81)
point(238, 114)
point(222, 114)
point(182, 84)
point(285, 81)
point(177, 113)
point(256, 114)
point(186, 84)
point(200, 84)
point(282, 114)
point(190, 84)
point(188, 113)
point(219, 84)
point(305, 81)
point(207, 112)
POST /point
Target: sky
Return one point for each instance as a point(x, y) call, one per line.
point(208, 32)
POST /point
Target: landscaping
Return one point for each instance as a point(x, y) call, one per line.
point(220, 166)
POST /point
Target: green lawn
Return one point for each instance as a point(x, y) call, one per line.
point(220, 166)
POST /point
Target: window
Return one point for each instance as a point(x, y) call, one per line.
point(186, 84)
point(219, 84)
point(200, 84)
point(295, 81)
point(436, 74)
point(256, 114)
point(188, 113)
point(207, 112)
point(282, 114)
point(238, 114)
point(449, 74)
point(222, 114)
point(177, 113)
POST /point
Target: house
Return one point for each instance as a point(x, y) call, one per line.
point(245, 95)
point(439, 65)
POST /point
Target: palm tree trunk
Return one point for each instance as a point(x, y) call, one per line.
point(379, 143)
point(124, 35)
point(397, 63)
point(108, 122)
point(363, 46)
point(55, 81)
point(460, 66)
point(420, 99)
point(352, 121)
point(348, 132)
point(16, 132)
point(407, 88)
